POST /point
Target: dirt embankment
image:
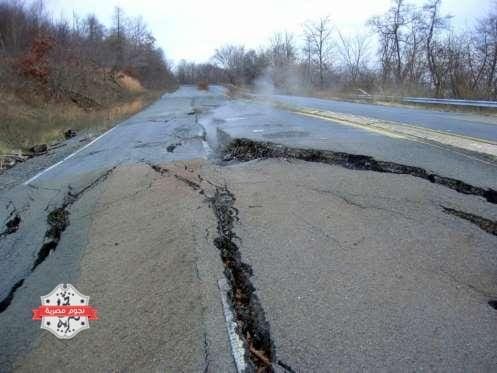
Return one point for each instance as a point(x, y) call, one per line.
point(27, 119)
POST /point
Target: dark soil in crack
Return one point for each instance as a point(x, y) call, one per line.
point(12, 225)
point(252, 325)
point(8, 299)
point(172, 147)
point(287, 367)
point(487, 225)
point(247, 150)
point(58, 221)
point(164, 171)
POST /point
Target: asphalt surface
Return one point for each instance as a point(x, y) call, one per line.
point(362, 271)
point(477, 126)
point(355, 270)
point(262, 122)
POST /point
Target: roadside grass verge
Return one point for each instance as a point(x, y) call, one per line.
point(23, 125)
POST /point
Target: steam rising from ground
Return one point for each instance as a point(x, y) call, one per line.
point(281, 80)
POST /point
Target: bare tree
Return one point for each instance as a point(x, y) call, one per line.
point(390, 28)
point(434, 23)
point(118, 36)
point(354, 54)
point(319, 34)
point(231, 58)
point(307, 50)
point(486, 47)
point(282, 49)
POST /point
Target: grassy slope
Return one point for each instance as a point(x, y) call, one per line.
point(22, 125)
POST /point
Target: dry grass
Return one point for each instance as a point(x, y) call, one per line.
point(22, 125)
point(129, 83)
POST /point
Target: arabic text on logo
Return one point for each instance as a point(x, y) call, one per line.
point(65, 311)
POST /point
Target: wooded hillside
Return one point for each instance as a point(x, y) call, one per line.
point(79, 64)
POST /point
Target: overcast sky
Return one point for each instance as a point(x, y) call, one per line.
point(193, 29)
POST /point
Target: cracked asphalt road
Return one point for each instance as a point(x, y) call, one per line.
point(353, 270)
point(373, 277)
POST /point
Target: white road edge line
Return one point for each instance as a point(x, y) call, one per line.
point(236, 343)
point(68, 157)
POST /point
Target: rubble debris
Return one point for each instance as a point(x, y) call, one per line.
point(10, 160)
point(70, 133)
point(39, 149)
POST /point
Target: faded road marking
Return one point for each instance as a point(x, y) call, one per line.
point(68, 157)
point(236, 343)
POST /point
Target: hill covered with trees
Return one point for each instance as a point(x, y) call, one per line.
point(60, 74)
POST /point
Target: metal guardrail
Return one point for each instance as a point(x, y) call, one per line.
point(434, 101)
point(456, 102)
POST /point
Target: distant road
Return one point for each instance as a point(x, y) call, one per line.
point(483, 127)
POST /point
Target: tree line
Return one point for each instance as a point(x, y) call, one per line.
point(418, 52)
point(77, 59)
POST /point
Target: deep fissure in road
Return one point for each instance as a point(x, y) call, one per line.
point(487, 225)
point(251, 321)
point(252, 326)
point(5, 303)
point(58, 221)
point(247, 150)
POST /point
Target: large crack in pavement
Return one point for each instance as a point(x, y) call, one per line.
point(486, 225)
point(242, 149)
point(58, 221)
point(252, 326)
point(251, 320)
